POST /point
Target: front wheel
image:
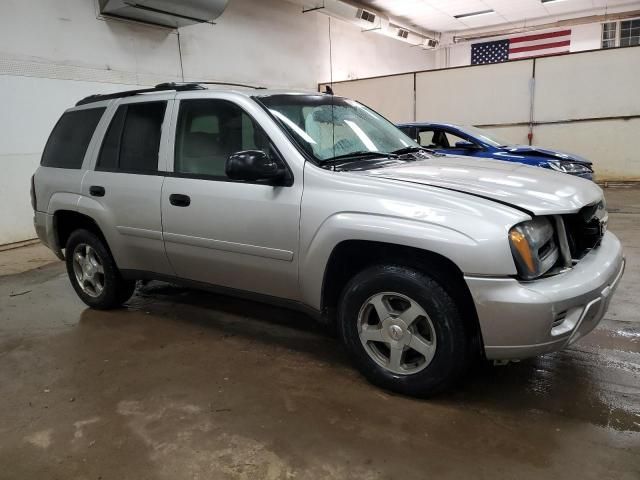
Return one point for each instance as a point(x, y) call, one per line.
point(93, 272)
point(403, 330)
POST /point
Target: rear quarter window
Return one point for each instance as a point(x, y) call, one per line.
point(70, 138)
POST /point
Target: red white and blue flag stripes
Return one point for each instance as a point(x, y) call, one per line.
point(521, 46)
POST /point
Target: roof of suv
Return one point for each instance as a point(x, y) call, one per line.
point(247, 90)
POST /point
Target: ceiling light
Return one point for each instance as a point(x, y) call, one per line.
point(549, 1)
point(474, 14)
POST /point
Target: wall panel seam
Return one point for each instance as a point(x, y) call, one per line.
point(56, 71)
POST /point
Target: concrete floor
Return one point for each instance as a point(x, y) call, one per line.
point(184, 384)
point(23, 259)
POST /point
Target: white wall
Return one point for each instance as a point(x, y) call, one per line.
point(53, 53)
point(256, 42)
point(585, 37)
point(391, 95)
point(26, 118)
point(477, 95)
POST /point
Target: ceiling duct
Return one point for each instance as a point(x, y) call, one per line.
point(365, 15)
point(431, 43)
point(368, 20)
point(167, 13)
point(364, 18)
point(405, 35)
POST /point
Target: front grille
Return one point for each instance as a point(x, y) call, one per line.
point(585, 229)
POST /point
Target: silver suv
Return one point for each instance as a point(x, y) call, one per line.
point(423, 262)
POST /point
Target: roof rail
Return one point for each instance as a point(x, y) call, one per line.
point(161, 87)
point(229, 84)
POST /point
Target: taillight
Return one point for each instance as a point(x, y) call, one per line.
point(34, 204)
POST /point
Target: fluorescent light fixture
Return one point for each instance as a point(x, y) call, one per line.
point(550, 1)
point(474, 14)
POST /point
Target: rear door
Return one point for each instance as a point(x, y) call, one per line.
point(122, 190)
point(235, 234)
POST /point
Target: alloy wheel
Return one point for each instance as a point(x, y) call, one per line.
point(88, 270)
point(396, 333)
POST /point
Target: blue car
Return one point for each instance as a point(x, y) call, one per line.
point(475, 142)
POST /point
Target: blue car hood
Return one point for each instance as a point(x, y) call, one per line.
point(533, 151)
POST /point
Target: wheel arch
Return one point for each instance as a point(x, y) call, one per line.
point(352, 256)
point(65, 222)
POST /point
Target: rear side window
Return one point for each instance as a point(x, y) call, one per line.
point(70, 138)
point(132, 141)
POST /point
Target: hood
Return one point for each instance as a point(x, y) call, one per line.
point(535, 190)
point(533, 151)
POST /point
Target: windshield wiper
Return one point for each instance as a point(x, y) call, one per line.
point(360, 155)
point(405, 150)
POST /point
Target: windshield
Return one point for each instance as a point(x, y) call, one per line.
point(485, 136)
point(327, 127)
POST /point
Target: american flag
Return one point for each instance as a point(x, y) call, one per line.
point(525, 46)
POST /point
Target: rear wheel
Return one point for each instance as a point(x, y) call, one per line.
point(403, 330)
point(93, 272)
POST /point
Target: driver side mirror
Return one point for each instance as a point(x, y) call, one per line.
point(255, 165)
point(466, 145)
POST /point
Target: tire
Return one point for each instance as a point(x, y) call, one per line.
point(93, 272)
point(420, 348)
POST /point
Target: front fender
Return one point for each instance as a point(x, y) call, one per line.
point(480, 255)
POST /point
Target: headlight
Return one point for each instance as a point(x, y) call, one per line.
point(534, 247)
point(570, 167)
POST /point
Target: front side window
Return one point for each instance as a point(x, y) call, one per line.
point(70, 138)
point(425, 138)
point(209, 131)
point(436, 138)
point(132, 142)
point(326, 127)
point(451, 139)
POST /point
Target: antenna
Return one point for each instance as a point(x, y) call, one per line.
point(330, 57)
point(329, 89)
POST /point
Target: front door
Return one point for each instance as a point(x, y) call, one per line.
point(241, 235)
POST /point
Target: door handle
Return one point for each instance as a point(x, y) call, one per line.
point(96, 191)
point(179, 200)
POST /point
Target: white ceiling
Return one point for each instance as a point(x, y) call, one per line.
point(438, 15)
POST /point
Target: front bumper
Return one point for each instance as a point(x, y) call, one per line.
point(525, 319)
